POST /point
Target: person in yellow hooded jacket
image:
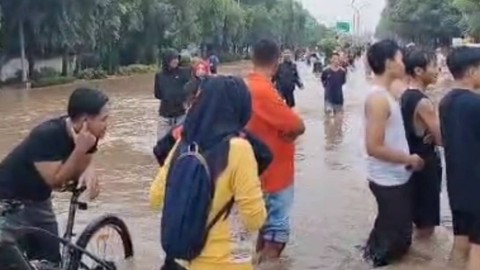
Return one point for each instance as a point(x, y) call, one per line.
point(215, 120)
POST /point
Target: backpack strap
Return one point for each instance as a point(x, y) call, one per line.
point(226, 209)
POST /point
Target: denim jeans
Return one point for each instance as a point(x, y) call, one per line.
point(277, 226)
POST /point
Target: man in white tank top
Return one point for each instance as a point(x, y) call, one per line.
point(389, 162)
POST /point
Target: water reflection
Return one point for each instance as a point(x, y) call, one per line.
point(333, 128)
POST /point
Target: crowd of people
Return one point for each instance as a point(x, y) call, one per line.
point(226, 156)
point(403, 132)
point(245, 131)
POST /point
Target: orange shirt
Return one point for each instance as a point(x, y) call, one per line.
point(272, 117)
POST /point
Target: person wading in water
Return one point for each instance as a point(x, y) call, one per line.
point(422, 126)
point(287, 79)
point(460, 125)
point(333, 78)
point(225, 201)
point(389, 162)
point(278, 126)
point(169, 89)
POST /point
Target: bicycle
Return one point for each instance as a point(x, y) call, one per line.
point(73, 253)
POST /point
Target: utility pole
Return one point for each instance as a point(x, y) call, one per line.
point(22, 51)
point(354, 16)
point(356, 10)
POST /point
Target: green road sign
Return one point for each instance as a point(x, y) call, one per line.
point(343, 27)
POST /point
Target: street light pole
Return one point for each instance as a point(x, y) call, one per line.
point(352, 5)
point(356, 15)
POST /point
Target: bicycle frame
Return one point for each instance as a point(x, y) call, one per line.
point(66, 240)
point(72, 212)
point(68, 235)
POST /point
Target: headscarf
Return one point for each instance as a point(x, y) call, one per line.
point(221, 111)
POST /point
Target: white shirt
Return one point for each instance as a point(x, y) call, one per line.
point(386, 173)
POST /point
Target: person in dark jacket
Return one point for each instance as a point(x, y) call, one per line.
point(214, 63)
point(287, 79)
point(169, 89)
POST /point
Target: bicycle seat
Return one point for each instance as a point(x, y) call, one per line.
point(8, 207)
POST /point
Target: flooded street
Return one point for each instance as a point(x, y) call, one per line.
point(333, 210)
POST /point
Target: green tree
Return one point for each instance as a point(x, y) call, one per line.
point(109, 33)
point(429, 22)
point(471, 21)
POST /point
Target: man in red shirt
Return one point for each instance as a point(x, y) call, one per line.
point(278, 126)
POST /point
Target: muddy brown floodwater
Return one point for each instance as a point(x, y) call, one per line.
point(333, 209)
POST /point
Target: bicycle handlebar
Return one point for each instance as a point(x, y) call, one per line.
point(72, 187)
point(11, 206)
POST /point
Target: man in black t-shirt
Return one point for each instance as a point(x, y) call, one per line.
point(53, 154)
point(460, 126)
point(333, 78)
point(422, 127)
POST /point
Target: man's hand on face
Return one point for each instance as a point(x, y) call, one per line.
point(90, 180)
point(84, 139)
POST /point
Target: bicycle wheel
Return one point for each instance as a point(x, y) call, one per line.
point(110, 223)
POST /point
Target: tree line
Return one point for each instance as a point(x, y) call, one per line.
point(430, 22)
point(111, 33)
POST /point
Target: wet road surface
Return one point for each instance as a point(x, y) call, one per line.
point(333, 210)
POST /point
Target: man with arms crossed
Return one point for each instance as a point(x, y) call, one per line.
point(55, 153)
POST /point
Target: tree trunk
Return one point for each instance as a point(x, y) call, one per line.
point(65, 62)
point(22, 51)
point(31, 62)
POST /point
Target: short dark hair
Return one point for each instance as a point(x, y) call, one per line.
point(266, 52)
point(379, 53)
point(86, 101)
point(461, 59)
point(417, 58)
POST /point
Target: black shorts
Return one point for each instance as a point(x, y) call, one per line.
point(426, 187)
point(466, 224)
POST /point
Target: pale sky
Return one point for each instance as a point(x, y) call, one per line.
point(330, 11)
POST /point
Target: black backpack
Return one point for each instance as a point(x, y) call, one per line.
point(184, 225)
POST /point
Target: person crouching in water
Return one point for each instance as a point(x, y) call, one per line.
point(209, 186)
point(422, 127)
point(287, 79)
point(389, 162)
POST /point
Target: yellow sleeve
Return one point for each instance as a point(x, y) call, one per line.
point(246, 185)
point(157, 189)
